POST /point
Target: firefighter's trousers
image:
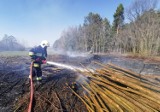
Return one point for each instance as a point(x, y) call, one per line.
point(36, 71)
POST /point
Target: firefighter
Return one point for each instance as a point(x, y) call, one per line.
point(38, 55)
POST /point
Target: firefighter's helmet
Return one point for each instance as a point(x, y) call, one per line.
point(45, 43)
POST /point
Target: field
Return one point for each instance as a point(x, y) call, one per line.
point(65, 90)
point(18, 53)
point(13, 53)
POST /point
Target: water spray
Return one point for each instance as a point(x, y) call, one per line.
point(70, 67)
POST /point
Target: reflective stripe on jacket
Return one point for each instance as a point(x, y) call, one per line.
point(36, 65)
point(31, 53)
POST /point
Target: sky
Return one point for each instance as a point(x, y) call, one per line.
point(32, 21)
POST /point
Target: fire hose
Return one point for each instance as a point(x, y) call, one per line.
point(31, 89)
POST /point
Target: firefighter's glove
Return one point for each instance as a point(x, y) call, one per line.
point(44, 61)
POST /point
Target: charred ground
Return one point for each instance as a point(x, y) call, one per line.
point(54, 93)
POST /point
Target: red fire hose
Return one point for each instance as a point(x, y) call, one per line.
point(31, 89)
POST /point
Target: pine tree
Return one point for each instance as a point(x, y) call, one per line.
point(118, 18)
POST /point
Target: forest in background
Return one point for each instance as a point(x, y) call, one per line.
point(134, 30)
point(10, 43)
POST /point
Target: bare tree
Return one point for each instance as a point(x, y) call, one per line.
point(10, 43)
point(143, 30)
point(138, 7)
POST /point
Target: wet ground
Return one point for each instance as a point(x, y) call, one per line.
point(14, 86)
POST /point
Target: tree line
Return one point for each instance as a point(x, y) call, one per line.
point(139, 35)
point(10, 43)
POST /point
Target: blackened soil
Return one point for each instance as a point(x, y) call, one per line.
point(53, 94)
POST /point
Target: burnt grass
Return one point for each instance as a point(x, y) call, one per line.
point(54, 94)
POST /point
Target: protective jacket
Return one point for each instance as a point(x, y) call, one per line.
point(38, 54)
